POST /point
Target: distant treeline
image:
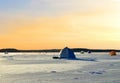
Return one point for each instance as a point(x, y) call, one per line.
point(58, 50)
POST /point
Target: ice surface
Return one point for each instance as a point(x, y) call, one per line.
point(41, 68)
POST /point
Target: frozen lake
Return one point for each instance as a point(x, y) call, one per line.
point(41, 68)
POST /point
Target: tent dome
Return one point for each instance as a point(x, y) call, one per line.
point(67, 53)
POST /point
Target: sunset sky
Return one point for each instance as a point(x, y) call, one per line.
point(49, 24)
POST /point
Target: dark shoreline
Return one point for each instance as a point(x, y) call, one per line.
point(58, 50)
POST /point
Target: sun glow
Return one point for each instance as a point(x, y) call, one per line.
point(90, 24)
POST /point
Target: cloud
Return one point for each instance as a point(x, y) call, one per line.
point(58, 7)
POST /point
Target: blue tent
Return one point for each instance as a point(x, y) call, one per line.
point(67, 53)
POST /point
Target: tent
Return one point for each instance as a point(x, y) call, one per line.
point(113, 53)
point(67, 53)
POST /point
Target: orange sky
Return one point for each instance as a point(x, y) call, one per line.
point(94, 28)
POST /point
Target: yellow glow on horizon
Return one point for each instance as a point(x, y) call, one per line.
point(87, 30)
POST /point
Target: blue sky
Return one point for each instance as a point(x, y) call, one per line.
point(7, 5)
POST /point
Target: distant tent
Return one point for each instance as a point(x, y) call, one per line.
point(89, 52)
point(6, 52)
point(112, 53)
point(67, 53)
point(82, 52)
